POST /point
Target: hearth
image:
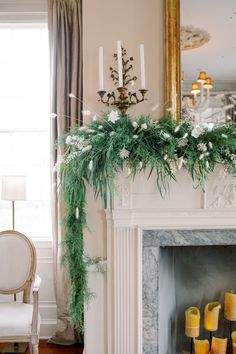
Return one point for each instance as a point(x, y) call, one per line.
point(183, 268)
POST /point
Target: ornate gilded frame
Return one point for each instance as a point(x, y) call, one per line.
point(172, 57)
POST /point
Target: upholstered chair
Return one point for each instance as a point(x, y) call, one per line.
point(19, 320)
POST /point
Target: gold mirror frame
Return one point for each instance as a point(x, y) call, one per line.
point(172, 57)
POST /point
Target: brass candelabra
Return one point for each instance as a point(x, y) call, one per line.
point(124, 99)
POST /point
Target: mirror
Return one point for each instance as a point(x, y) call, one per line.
point(201, 59)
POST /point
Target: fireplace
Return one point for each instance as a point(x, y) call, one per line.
point(143, 226)
point(183, 268)
point(187, 217)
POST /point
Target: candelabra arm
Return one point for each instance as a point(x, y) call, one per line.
point(134, 98)
point(143, 93)
point(111, 96)
point(101, 94)
point(108, 99)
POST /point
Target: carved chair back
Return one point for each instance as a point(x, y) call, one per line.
point(17, 264)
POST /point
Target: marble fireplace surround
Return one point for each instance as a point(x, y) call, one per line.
point(138, 207)
point(203, 274)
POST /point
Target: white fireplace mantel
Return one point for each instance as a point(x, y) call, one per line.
point(138, 206)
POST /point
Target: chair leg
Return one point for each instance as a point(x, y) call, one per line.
point(34, 345)
point(30, 348)
point(35, 348)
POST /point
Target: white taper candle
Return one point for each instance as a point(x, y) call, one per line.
point(119, 58)
point(142, 67)
point(100, 64)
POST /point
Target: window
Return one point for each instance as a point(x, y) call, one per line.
point(24, 124)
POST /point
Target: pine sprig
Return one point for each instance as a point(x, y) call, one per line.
point(94, 154)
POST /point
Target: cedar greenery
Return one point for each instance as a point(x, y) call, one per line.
point(94, 154)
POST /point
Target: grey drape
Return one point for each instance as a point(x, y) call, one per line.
point(65, 26)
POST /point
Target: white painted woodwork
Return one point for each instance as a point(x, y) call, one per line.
point(47, 303)
point(23, 11)
point(138, 206)
point(95, 316)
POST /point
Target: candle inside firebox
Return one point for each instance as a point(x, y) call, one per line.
point(201, 346)
point(192, 322)
point(218, 345)
point(211, 316)
point(233, 335)
point(230, 306)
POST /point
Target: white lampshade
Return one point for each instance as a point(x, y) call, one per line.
point(13, 187)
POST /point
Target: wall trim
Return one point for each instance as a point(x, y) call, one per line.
point(23, 17)
point(42, 244)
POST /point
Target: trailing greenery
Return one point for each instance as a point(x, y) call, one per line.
point(94, 154)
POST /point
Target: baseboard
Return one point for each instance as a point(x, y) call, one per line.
point(47, 328)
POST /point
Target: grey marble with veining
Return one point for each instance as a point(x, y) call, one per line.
point(152, 241)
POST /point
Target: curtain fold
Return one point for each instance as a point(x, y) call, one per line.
point(65, 40)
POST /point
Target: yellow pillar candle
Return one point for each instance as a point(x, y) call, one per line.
point(192, 322)
point(233, 335)
point(218, 345)
point(211, 316)
point(230, 306)
point(201, 346)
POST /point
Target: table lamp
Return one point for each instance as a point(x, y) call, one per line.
point(13, 188)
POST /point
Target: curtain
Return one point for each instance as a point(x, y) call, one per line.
point(65, 40)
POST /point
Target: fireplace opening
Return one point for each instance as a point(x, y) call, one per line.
point(192, 276)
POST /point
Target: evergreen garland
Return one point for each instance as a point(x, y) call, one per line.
point(95, 153)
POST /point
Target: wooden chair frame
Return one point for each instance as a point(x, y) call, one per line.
point(33, 338)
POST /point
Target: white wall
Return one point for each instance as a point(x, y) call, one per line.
point(133, 22)
point(104, 22)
